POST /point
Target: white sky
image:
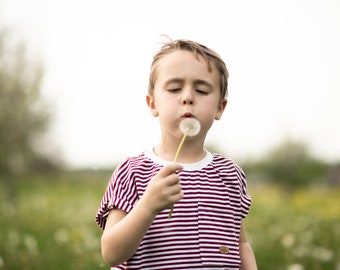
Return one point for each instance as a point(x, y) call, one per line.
point(283, 58)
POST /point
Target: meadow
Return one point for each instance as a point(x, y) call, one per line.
point(47, 222)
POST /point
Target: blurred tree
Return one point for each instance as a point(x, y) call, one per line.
point(291, 165)
point(23, 115)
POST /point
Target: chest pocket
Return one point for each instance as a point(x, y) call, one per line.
point(218, 232)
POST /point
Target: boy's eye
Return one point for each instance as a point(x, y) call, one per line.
point(174, 90)
point(202, 92)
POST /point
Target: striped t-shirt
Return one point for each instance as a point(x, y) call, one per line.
point(204, 230)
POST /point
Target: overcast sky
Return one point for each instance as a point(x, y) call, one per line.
point(283, 58)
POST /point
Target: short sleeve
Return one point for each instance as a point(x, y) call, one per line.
point(120, 193)
point(245, 197)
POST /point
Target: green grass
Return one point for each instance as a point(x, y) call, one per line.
point(296, 230)
point(49, 224)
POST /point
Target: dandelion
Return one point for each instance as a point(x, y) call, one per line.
point(295, 266)
point(189, 127)
point(322, 254)
point(288, 240)
point(301, 251)
point(61, 236)
point(31, 243)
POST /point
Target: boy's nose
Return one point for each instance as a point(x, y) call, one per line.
point(187, 101)
point(187, 97)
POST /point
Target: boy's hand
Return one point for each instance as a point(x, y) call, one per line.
point(163, 190)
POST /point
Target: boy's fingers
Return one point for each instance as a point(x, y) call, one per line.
point(170, 169)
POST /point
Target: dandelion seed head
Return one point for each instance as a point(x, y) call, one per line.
point(322, 254)
point(288, 240)
point(31, 243)
point(61, 236)
point(190, 126)
point(295, 266)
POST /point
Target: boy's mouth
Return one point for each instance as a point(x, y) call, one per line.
point(187, 115)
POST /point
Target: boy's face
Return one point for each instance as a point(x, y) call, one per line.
point(185, 88)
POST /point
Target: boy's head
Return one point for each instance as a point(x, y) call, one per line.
point(212, 59)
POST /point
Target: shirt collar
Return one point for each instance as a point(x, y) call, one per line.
point(186, 166)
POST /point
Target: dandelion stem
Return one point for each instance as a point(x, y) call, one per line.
point(179, 147)
point(175, 160)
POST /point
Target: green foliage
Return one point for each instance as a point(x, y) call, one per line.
point(23, 115)
point(52, 225)
point(289, 164)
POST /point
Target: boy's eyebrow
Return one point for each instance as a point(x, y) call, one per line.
point(196, 82)
point(203, 82)
point(174, 80)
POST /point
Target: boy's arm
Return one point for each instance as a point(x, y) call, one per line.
point(248, 261)
point(124, 231)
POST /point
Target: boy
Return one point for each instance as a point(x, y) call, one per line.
point(208, 191)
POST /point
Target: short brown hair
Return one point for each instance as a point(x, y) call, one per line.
point(210, 56)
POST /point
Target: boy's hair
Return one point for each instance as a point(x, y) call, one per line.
point(210, 56)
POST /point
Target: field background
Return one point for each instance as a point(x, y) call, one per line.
point(49, 224)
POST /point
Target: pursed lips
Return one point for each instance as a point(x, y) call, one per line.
point(187, 115)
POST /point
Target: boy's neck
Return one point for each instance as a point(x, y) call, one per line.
point(190, 152)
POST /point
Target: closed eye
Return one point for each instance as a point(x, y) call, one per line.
point(174, 90)
point(202, 92)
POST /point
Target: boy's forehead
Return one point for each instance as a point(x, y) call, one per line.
point(180, 54)
point(183, 60)
point(185, 64)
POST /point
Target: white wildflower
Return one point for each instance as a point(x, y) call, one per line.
point(295, 266)
point(288, 240)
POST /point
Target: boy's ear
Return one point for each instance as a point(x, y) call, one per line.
point(151, 104)
point(220, 109)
